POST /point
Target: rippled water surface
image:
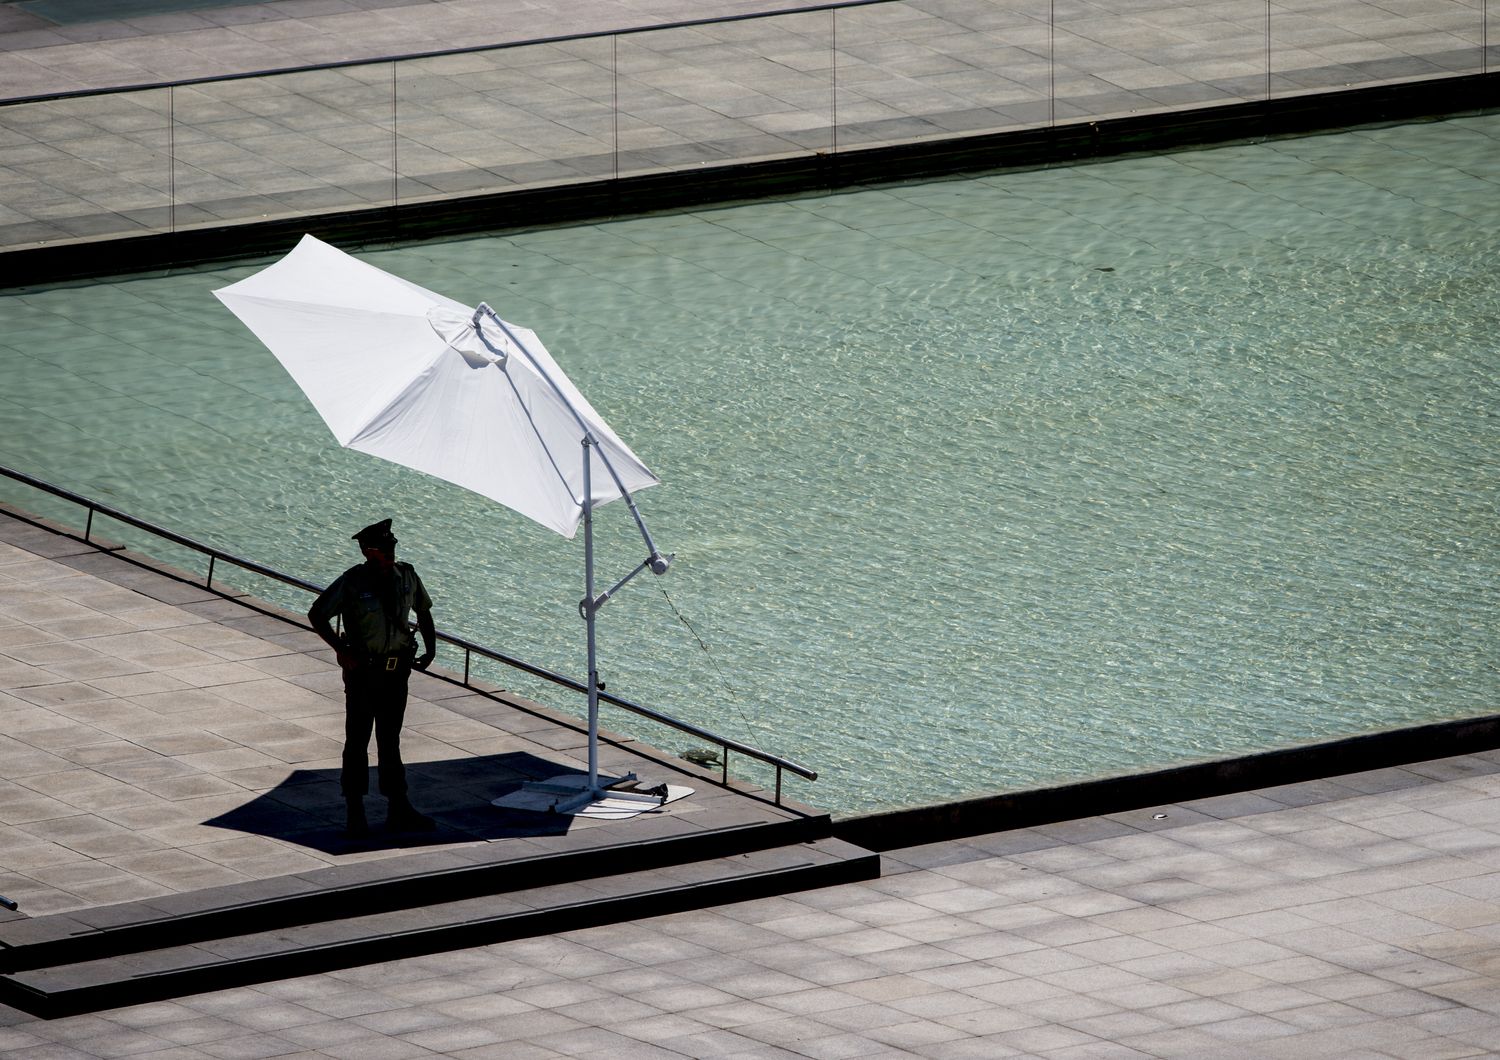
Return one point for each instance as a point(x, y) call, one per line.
point(973, 484)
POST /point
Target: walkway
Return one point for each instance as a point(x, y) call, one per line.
point(137, 42)
point(1353, 917)
point(1357, 916)
point(157, 738)
point(548, 116)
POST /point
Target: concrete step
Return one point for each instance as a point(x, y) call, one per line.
point(377, 887)
point(173, 969)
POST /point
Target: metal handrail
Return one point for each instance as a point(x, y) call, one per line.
point(467, 49)
point(470, 648)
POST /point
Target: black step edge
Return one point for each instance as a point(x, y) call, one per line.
point(141, 978)
point(339, 892)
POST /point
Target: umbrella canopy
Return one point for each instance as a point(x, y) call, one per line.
point(413, 377)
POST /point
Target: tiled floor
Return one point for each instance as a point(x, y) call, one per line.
point(167, 740)
point(1354, 917)
point(545, 114)
point(1357, 916)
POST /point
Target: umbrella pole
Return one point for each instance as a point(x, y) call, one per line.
point(589, 610)
point(592, 601)
point(594, 792)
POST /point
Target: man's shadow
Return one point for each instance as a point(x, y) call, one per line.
point(307, 808)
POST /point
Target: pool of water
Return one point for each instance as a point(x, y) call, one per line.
point(974, 484)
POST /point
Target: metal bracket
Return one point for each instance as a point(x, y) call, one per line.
point(656, 562)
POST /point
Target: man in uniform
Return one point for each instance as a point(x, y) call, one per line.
point(376, 653)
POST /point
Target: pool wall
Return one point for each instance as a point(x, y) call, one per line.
point(617, 196)
point(1161, 791)
point(1166, 790)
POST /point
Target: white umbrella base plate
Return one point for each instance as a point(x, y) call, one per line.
point(567, 795)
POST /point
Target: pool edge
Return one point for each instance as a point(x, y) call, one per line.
point(595, 200)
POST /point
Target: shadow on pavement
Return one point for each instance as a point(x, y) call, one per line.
point(307, 807)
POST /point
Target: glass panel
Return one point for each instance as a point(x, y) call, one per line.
point(784, 85)
point(958, 67)
point(1491, 37)
point(1323, 44)
point(1133, 60)
point(506, 118)
point(283, 145)
point(83, 168)
point(734, 91)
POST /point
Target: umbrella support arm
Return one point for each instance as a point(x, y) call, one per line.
point(655, 560)
point(590, 609)
point(592, 602)
point(585, 606)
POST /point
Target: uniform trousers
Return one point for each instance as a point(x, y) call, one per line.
point(375, 698)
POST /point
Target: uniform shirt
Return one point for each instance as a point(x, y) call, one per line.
point(375, 607)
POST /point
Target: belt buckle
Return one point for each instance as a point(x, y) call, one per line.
point(391, 661)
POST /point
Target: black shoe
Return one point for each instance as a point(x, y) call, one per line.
point(403, 818)
point(357, 827)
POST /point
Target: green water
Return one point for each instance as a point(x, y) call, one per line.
point(974, 484)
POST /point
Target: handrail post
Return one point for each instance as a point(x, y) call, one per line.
point(88, 526)
point(207, 582)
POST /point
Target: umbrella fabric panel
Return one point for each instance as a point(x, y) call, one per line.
point(351, 335)
point(465, 425)
point(537, 380)
point(317, 273)
point(620, 454)
point(348, 379)
point(399, 372)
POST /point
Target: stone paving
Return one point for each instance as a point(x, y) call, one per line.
point(157, 738)
point(1357, 916)
point(1353, 917)
point(581, 110)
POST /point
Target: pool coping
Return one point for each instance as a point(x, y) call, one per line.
point(704, 186)
point(1171, 786)
point(909, 826)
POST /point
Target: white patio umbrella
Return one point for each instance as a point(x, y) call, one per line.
point(421, 380)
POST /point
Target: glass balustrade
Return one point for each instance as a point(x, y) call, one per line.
point(794, 84)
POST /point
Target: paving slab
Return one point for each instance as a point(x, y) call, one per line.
point(127, 790)
point(650, 101)
point(161, 840)
point(1338, 945)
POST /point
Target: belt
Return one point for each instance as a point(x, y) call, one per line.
point(391, 662)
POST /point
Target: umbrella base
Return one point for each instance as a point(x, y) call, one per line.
point(571, 794)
